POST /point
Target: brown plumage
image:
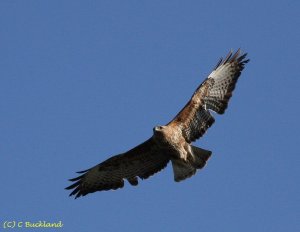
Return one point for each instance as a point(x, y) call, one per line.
point(170, 142)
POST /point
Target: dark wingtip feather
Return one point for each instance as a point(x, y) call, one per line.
point(230, 57)
point(236, 54)
point(77, 178)
point(76, 186)
point(84, 171)
point(76, 190)
point(235, 57)
point(219, 63)
point(72, 186)
point(227, 58)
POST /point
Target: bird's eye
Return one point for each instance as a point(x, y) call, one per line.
point(157, 128)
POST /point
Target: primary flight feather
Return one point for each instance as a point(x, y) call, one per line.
point(171, 142)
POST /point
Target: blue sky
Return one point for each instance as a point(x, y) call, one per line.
point(83, 80)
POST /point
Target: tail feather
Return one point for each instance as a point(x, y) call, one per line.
point(182, 169)
point(185, 169)
point(200, 156)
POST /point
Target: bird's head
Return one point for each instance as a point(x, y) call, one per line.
point(160, 133)
point(158, 128)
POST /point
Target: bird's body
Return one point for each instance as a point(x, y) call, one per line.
point(172, 142)
point(171, 139)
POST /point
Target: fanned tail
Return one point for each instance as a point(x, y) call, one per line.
point(185, 169)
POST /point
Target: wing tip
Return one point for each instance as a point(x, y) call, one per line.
point(80, 189)
point(76, 187)
point(238, 57)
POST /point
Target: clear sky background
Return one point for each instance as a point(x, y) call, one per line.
point(81, 81)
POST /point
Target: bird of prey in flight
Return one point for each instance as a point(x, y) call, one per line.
point(171, 142)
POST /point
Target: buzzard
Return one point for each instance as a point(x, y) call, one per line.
point(172, 142)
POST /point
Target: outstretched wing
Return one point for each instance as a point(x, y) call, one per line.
point(213, 94)
point(142, 161)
